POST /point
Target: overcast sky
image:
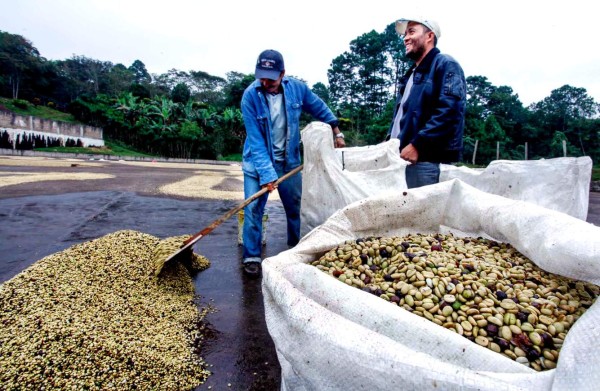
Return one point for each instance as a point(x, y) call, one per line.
point(532, 46)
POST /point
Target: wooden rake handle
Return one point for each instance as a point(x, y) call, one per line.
point(192, 240)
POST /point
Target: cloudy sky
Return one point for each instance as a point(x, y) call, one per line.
point(532, 46)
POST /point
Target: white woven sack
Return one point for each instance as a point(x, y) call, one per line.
point(330, 336)
point(561, 184)
point(333, 178)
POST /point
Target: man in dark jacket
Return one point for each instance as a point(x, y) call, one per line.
point(430, 110)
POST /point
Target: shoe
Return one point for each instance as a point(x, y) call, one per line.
point(252, 269)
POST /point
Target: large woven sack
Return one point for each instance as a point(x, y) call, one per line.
point(330, 336)
point(561, 184)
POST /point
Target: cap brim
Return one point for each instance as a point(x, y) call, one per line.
point(265, 74)
point(401, 26)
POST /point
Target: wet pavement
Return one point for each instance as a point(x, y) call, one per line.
point(238, 349)
point(38, 219)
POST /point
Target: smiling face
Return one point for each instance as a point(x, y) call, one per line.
point(272, 86)
point(418, 40)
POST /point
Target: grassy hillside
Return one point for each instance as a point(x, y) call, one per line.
point(23, 107)
point(114, 148)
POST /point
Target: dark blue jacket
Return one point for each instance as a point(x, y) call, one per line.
point(434, 113)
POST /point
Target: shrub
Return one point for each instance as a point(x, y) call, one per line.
point(21, 104)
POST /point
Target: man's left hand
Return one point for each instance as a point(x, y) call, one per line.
point(410, 153)
point(270, 186)
point(339, 142)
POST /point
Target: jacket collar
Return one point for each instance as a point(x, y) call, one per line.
point(425, 65)
point(258, 86)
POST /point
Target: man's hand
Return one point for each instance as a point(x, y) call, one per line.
point(338, 142)
point(410, 154)
point(271, 186)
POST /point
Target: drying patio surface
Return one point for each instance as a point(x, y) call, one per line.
point(48, 205)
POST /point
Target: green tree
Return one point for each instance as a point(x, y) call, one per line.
point(20, 63)
point(140, 90)
point(235, 85)
point(364, 79)
point(85, 75)
point(497, 110)
point(563, 111)
point(322, 92)
point(181, 93)
point(118, 79)
point(140, 73)
point(207, 88)
point(234, 125)
point(167, 81)
point(479, 92)
point(214, 144)
point(395, 51)
point(371, 69)
point(344, 85)
point(189, 135)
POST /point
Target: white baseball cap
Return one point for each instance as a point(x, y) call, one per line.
point(401, 25)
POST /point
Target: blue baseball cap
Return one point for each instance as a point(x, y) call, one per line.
point(269, 65)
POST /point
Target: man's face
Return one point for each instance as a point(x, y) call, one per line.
point(416, 40)
point(272, 86)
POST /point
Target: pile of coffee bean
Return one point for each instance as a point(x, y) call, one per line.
point(484, 290)
point(95, 316)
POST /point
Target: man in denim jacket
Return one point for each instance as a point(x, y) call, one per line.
point(430, 111)
point(271, 108)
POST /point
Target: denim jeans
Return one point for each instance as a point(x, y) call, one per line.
point(422, 174)
point(290, 193)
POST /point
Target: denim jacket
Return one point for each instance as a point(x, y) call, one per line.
point(434, 113)
point(257, 158)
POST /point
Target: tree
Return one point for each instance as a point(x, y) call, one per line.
point(181, 93)
point(479, 92)
point(140, 91)
point(189, 135)
point(20, 63)
point(234, 123)
point(372, 70)
point(395, 51)
point(85, 75)
point(322, 92)
point(118, 79)
point(566, 104)
point(343, 85)
point(207, 88)
point(364, 79)
point(512, 117)
point(234, 88)
point(167, 81)
point(497, 110)
point(139, 73)
point(563, 111)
